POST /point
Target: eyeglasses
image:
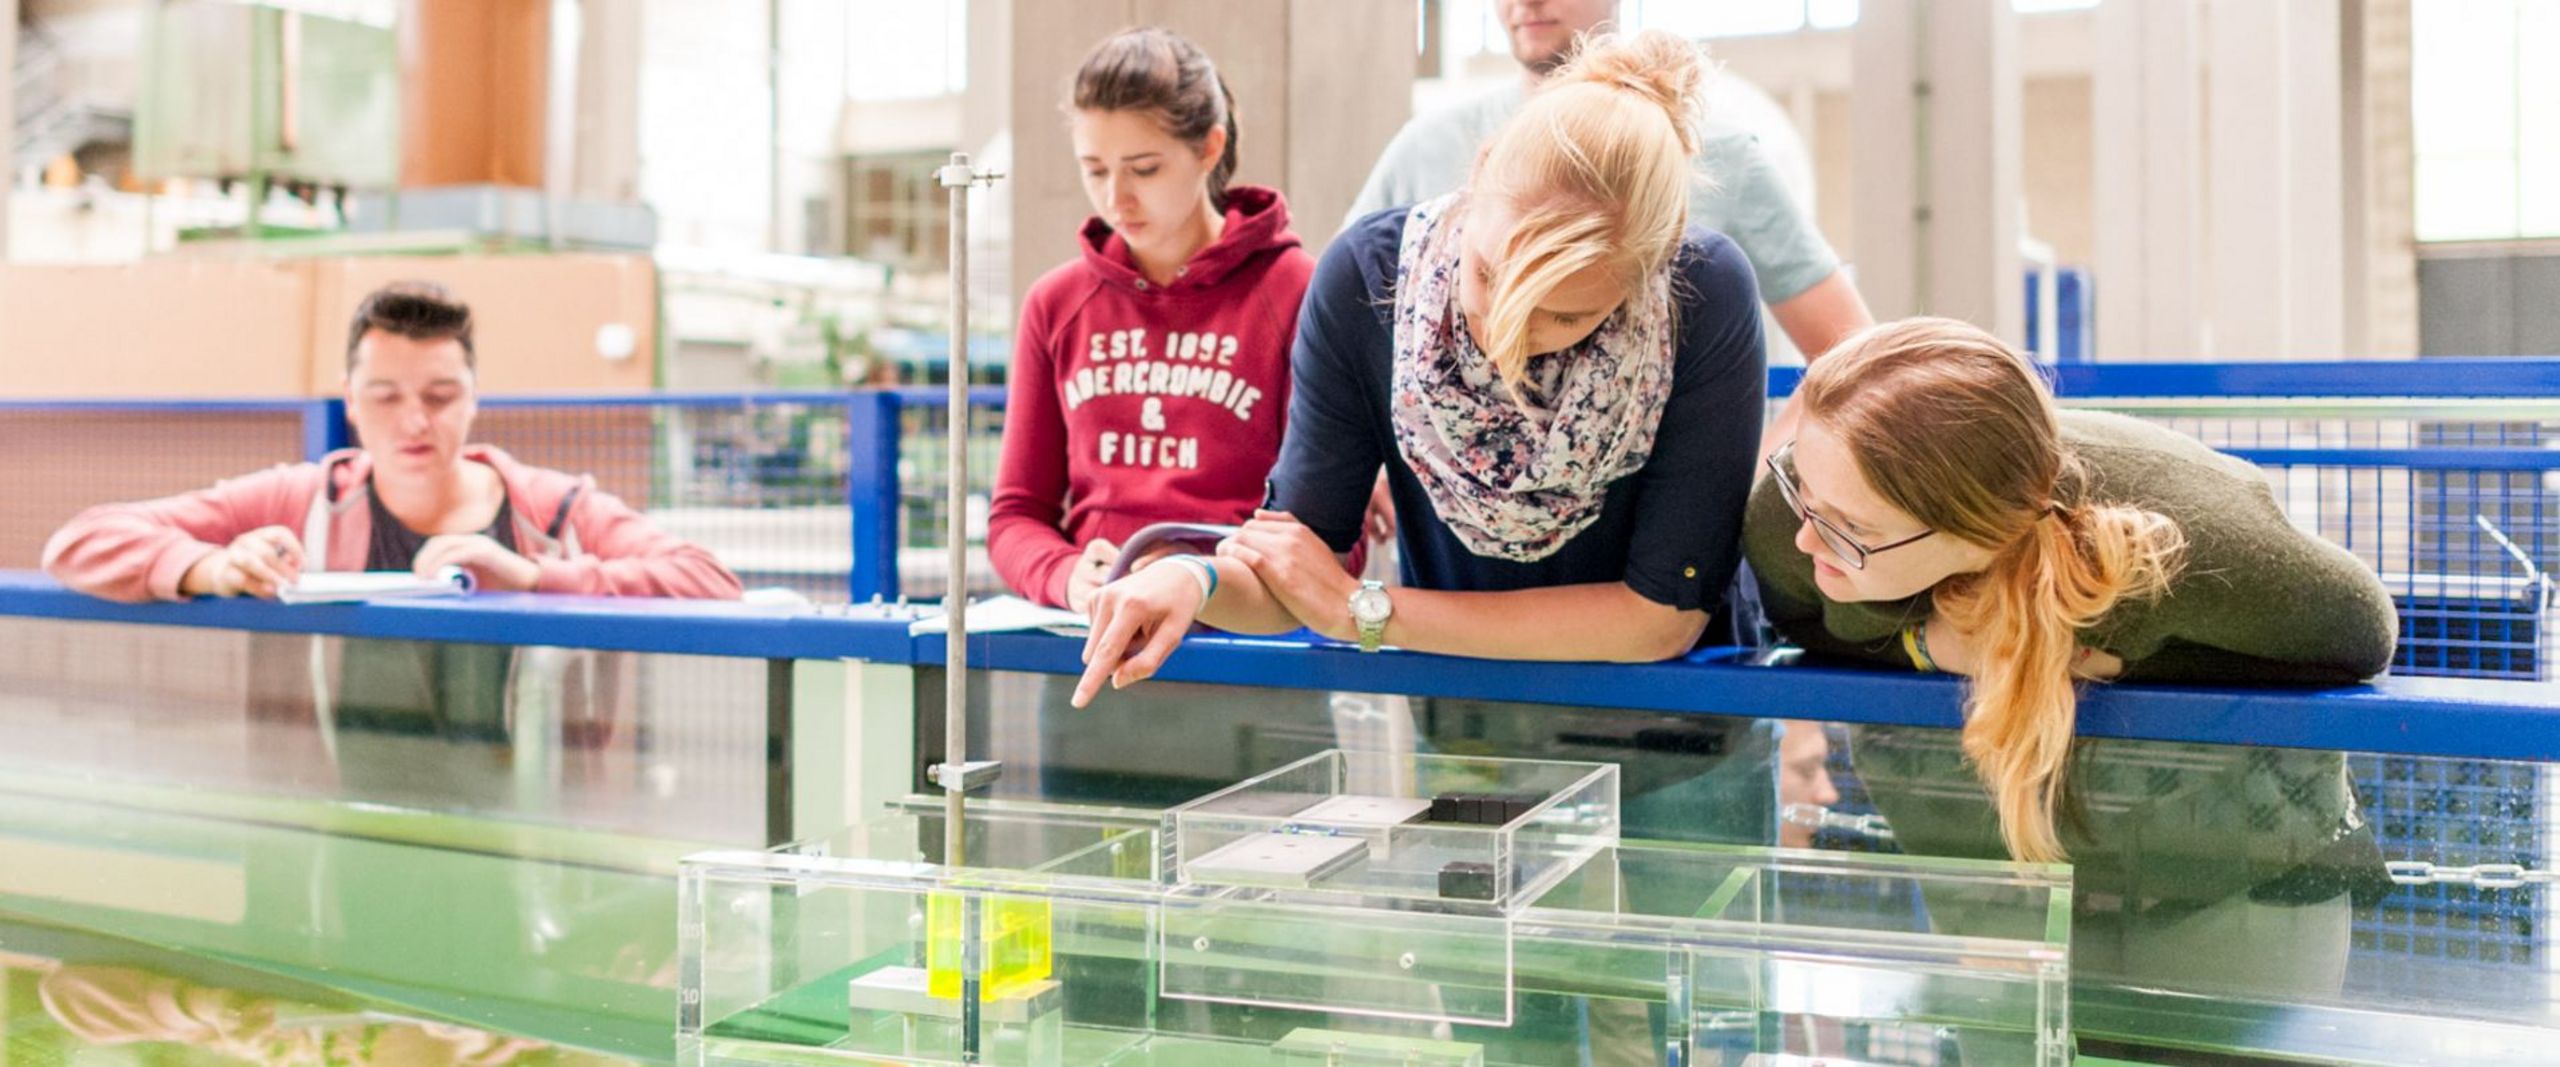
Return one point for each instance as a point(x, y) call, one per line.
point(1849, 550)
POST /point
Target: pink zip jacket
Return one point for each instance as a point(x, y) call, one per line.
point(584, 539)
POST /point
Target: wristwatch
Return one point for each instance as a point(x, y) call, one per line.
point(1370, 609)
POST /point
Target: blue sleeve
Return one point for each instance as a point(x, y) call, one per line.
point(1693, 490)
point(1749, 202)
point(1330, 457)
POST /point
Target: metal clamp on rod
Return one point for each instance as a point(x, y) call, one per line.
point(962, 777)
point(958, 173)
point(1817, 817)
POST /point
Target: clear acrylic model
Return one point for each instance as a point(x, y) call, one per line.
point(1435, 910)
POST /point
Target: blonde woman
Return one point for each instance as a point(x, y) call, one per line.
point(1561, 379)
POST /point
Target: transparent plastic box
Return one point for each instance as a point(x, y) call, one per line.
point(1072, 953)
point(1523, 824)
point(1855, 958)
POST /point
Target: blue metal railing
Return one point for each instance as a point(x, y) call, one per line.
point(2400, 461)
point(816, 491)
point(2413, 716)
point(2491, 378)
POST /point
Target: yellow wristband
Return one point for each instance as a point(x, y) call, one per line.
point(1915, 645)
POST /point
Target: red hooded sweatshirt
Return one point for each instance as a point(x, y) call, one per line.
point(1133, 403)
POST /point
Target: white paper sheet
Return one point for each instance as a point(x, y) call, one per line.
point(1006, 614)
point(339, 587)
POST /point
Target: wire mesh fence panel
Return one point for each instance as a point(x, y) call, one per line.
point(701, 730)
point(761, 483)
point(58, 461)
point(924, 500)
point(2457, 813)
point(2461, 518)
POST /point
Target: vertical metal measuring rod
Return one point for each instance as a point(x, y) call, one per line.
point(956, 774)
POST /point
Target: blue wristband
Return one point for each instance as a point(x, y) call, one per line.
point(1209, 583)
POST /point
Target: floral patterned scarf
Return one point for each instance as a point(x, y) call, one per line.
point(1516, 480)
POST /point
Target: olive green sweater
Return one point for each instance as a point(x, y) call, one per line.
point(2255, 601)
point(2154, 829)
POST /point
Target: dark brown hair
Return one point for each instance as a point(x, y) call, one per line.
point(1155, 70)
point(419, 311)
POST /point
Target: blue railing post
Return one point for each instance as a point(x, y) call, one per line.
point(324, 428)
point(872, 492)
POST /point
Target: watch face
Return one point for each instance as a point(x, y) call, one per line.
point(1370, 605)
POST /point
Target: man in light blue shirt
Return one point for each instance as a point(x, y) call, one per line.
point(1808, 294)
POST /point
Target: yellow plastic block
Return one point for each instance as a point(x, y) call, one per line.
point(1016, 933)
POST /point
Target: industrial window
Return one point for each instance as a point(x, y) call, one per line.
point(895, 212)
point(2487, 120)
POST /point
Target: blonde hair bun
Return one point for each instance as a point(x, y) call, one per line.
point(1599, 164)
point(1658, 65)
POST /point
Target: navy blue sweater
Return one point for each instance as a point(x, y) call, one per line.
point(1671, 530)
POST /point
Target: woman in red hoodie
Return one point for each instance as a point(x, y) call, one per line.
point(1151, 374)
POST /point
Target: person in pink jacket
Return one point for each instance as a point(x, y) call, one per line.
point(416, 496)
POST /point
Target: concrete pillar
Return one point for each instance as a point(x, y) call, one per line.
point(1885, 125)
point(2148, 140)
point(775, 206)
point(2277, 204)
point(2315, 135)
point(1043, 186)
point(607, 157)
point(988, 104)
point(1935, 107)
point(1351, 68)
point(2380, 172)
point(987, 134)
point(8, 115)
point(1320, 86)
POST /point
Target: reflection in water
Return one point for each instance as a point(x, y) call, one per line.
point(401, 718)
point(657, 745)
point(2206, 869)
point(1804, 778)
point(1684, 777)
point(571, 943)
point(94, 1007)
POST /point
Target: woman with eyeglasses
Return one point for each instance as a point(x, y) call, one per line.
point(1935, 510)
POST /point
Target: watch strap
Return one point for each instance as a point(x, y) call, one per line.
point(1372, 633)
